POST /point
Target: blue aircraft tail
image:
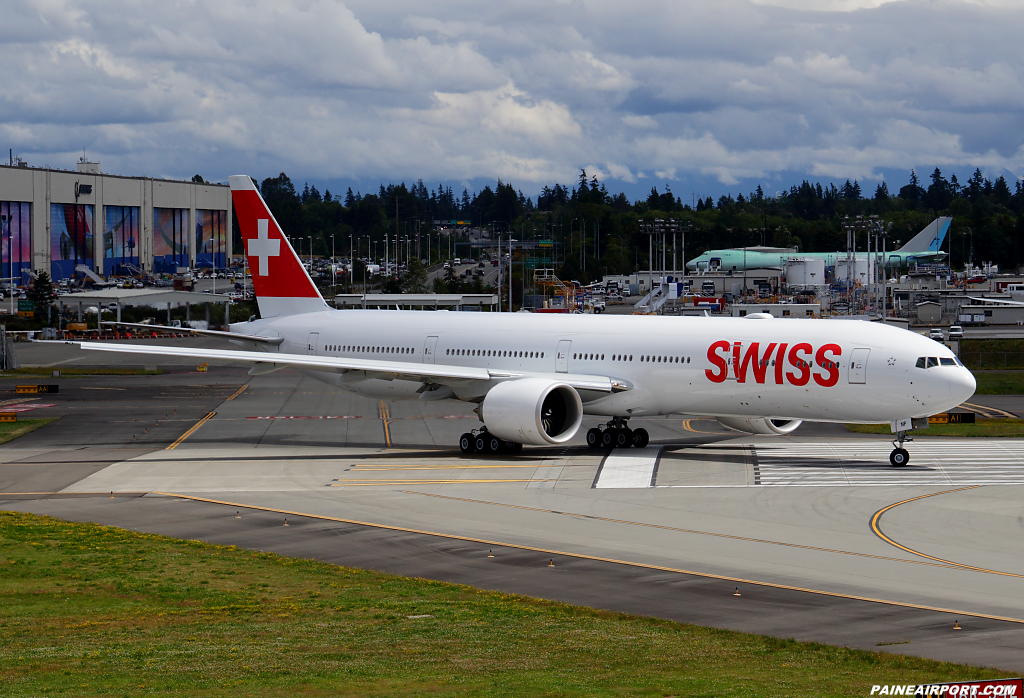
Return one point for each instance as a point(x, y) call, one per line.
point(930, 239)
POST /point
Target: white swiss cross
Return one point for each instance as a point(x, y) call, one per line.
point(262, 247)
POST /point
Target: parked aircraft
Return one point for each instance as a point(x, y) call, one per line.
point(534, 376)
point(926, 246)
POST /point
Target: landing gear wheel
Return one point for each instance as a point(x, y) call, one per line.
point(467, 443)
point(480, 443)
point(493, 444)
point(623, 438)
point(899, 457)
point(608, 438)
point(594, 437)
point(640, 438)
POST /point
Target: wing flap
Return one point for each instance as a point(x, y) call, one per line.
point(320, 363)
point(387, 370)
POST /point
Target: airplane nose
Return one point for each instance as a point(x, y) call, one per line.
point(962, 385)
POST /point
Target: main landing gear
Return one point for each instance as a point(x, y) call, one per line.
point(482, 441)
point(899, 456)
point(615, 434)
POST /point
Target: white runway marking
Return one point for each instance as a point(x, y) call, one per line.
point(966, 462)
point(628, 469)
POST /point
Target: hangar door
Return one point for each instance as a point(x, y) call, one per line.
point(859, 365)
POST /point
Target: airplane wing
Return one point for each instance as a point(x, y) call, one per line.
point(273, 341)
point(386, 370)
point(996, 300)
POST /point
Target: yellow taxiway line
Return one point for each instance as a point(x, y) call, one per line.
point(595, 558)
point(876, 527)
point(191, 431)
point(681, 530)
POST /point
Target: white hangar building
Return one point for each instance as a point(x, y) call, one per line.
point(56, 220)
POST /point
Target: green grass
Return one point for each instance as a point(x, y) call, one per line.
point(72, 372)
point(9, 431)
point(983, 427)
point(999, 382)
point(992, 353)
point(93, 610)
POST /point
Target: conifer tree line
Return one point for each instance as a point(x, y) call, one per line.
point(601, 231)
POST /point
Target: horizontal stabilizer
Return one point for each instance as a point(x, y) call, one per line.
point(272, 341)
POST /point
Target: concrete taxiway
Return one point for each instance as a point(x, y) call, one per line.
point(819, 536)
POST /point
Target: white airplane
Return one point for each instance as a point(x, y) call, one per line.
point(533, 377)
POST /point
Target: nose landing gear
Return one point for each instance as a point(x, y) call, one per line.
point(899, 456)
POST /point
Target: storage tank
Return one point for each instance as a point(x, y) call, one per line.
point(858, 270)
point(805, 272)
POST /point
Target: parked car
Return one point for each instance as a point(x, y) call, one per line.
point(956, 332)
point(936, 334)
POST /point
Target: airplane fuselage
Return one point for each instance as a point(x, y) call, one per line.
point(821, 370)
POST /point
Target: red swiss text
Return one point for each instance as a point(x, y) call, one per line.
point(777, 362)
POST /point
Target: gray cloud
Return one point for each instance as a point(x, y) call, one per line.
point(524, 91)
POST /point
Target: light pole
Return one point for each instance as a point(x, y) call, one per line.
point(334, 271)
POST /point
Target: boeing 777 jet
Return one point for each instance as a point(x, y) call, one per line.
point(534, 376)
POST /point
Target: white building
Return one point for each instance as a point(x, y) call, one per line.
point(56, 220)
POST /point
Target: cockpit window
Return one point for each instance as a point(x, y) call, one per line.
point(932, 361)
point(921, 361)
point(960, 363)
point(947, 362)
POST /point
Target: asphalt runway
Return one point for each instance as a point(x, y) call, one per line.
point(823, 539)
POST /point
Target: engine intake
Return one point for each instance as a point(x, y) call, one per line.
point(760, 425)
point(535, 411)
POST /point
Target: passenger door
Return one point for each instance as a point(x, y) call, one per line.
point(859, 365)
point(314, 339)
point(562, 356)
point(429, 347)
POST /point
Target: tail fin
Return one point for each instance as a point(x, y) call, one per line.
point(930, 239)
point(281, 283)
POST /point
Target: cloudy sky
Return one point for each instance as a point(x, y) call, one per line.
point(703, 96)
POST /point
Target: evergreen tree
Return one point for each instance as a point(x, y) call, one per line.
point(350, 200)
point(41, 293)
point(415, 278)
point(327, 196)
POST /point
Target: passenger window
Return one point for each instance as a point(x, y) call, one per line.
point(932, 361)
point(947, 362)
point(920, 362)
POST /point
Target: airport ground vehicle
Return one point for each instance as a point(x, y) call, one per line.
point(534, 376)
point(936, 334)
point(956, 332)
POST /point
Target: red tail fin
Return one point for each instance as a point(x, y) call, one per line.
point(281, 283)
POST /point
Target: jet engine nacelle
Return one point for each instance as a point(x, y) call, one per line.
point(761, 425)
point(536, 411)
